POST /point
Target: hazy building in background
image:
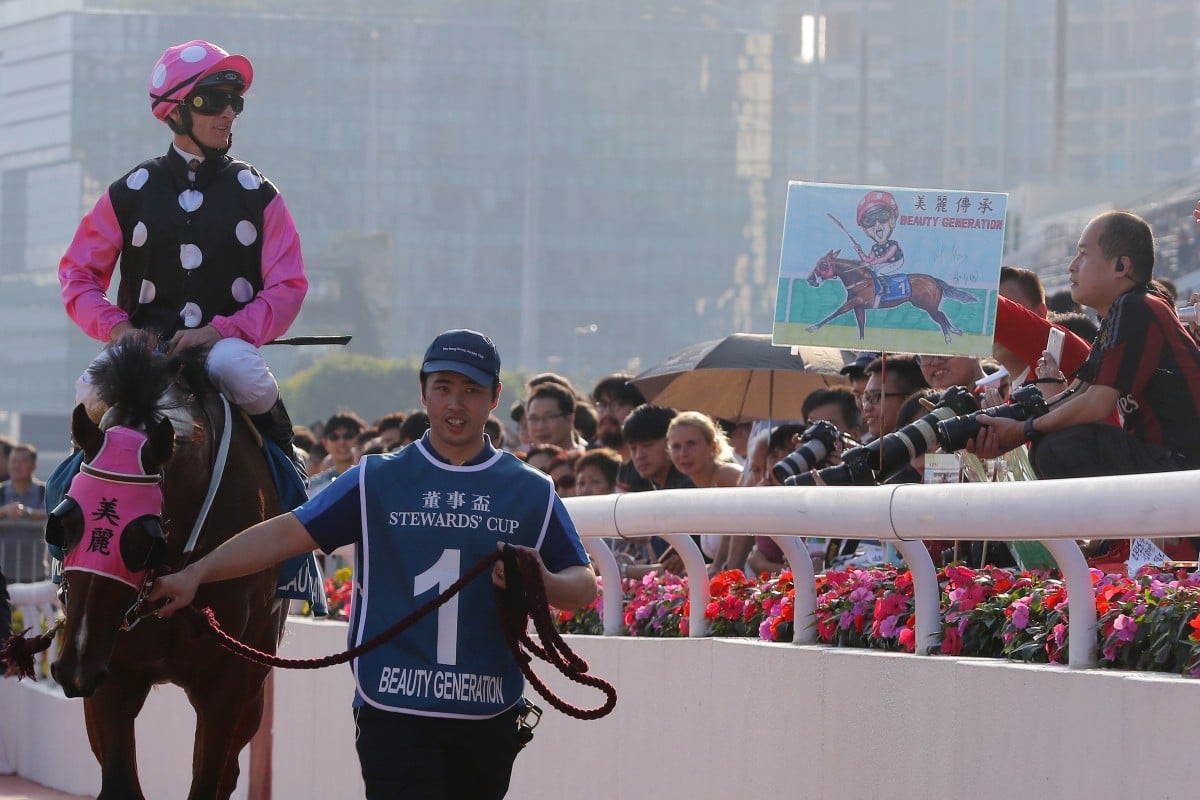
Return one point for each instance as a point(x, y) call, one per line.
point(596, 184)
point(1071, 106)
point(592, 183)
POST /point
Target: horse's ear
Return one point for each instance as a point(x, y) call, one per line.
point(837, 252)
point(85, 432)
point(162, 444)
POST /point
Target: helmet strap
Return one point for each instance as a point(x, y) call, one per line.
point(184, 126)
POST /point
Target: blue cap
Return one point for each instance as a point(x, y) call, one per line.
point(858, 367)
point(466, 352)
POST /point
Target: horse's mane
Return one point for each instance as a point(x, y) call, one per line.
point(138, 374)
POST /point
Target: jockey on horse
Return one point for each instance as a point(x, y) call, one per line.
point(877, 216)
point(209, 254)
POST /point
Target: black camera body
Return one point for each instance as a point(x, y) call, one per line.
point(878, 461)
point(816, 443)
point(1024, 403)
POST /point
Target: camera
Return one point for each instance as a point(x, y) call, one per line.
point(1023, 403)
point(816, 443)
point(881, 459)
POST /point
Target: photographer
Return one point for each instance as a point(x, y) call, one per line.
point(1143, 364)
point(889, 382)
point(781, 442)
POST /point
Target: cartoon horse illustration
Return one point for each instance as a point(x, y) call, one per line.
point(865, 289)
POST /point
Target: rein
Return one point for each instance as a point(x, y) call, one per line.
point(217, 471)
point(513, 619)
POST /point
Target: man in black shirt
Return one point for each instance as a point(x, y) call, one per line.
point(649, 467)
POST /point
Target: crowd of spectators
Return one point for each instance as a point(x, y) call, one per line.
point(611, 440)
point(1124, 397)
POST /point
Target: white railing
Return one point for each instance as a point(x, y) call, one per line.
point(1055, 513)
point(309, 709)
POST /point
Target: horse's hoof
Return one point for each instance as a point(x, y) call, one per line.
point(811, 328)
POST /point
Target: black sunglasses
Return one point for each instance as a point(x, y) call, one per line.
point(211, 102)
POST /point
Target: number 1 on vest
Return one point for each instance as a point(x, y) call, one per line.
point(440, 576)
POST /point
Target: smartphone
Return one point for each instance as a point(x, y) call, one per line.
point(1054, 345)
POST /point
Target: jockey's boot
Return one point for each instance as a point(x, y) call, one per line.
point(276, 425)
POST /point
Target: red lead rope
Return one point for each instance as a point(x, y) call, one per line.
point(513, 619)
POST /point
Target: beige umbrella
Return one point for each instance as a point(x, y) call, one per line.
point(743, 377)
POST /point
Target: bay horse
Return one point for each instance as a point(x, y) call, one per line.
point(862, 293)
point(165, 420)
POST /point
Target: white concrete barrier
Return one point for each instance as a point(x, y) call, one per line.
point(712, 718)
point(706, 717)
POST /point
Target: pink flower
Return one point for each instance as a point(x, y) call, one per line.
point(952, 642)
point(889, 625)
point(1020, 613)
point(1126, 628)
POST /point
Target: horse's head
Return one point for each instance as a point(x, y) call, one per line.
point(825, 269)
point(110, 529)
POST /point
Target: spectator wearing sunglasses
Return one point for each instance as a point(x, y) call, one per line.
point(209, 254)
point(341, 435)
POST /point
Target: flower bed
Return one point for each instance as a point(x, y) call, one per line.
point(1151, 622)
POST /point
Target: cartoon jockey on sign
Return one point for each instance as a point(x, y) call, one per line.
point(877, 215)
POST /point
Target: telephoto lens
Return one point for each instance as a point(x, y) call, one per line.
point(1023, 403)
point(881, 459)
point(816, 443)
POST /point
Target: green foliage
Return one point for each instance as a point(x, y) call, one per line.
point(366, 385)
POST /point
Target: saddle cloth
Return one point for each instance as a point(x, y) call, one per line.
point(892, 288)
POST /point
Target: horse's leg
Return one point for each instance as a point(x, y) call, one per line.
point(861, 316)
point(228, 713)
point(109, 716)
point(851, 302)
point(928, 297)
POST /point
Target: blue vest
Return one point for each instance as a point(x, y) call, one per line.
point(425, 523)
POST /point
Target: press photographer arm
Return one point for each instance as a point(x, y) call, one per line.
point(1082, 404)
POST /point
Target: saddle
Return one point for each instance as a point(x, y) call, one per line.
point(892, 288)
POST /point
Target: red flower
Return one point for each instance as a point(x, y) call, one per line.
point(952, 642)
point(1195, 626)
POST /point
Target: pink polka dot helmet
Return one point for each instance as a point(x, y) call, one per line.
point(874, 203)
point(184, 67)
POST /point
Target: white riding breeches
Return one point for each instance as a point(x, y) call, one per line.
point(234, 366)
